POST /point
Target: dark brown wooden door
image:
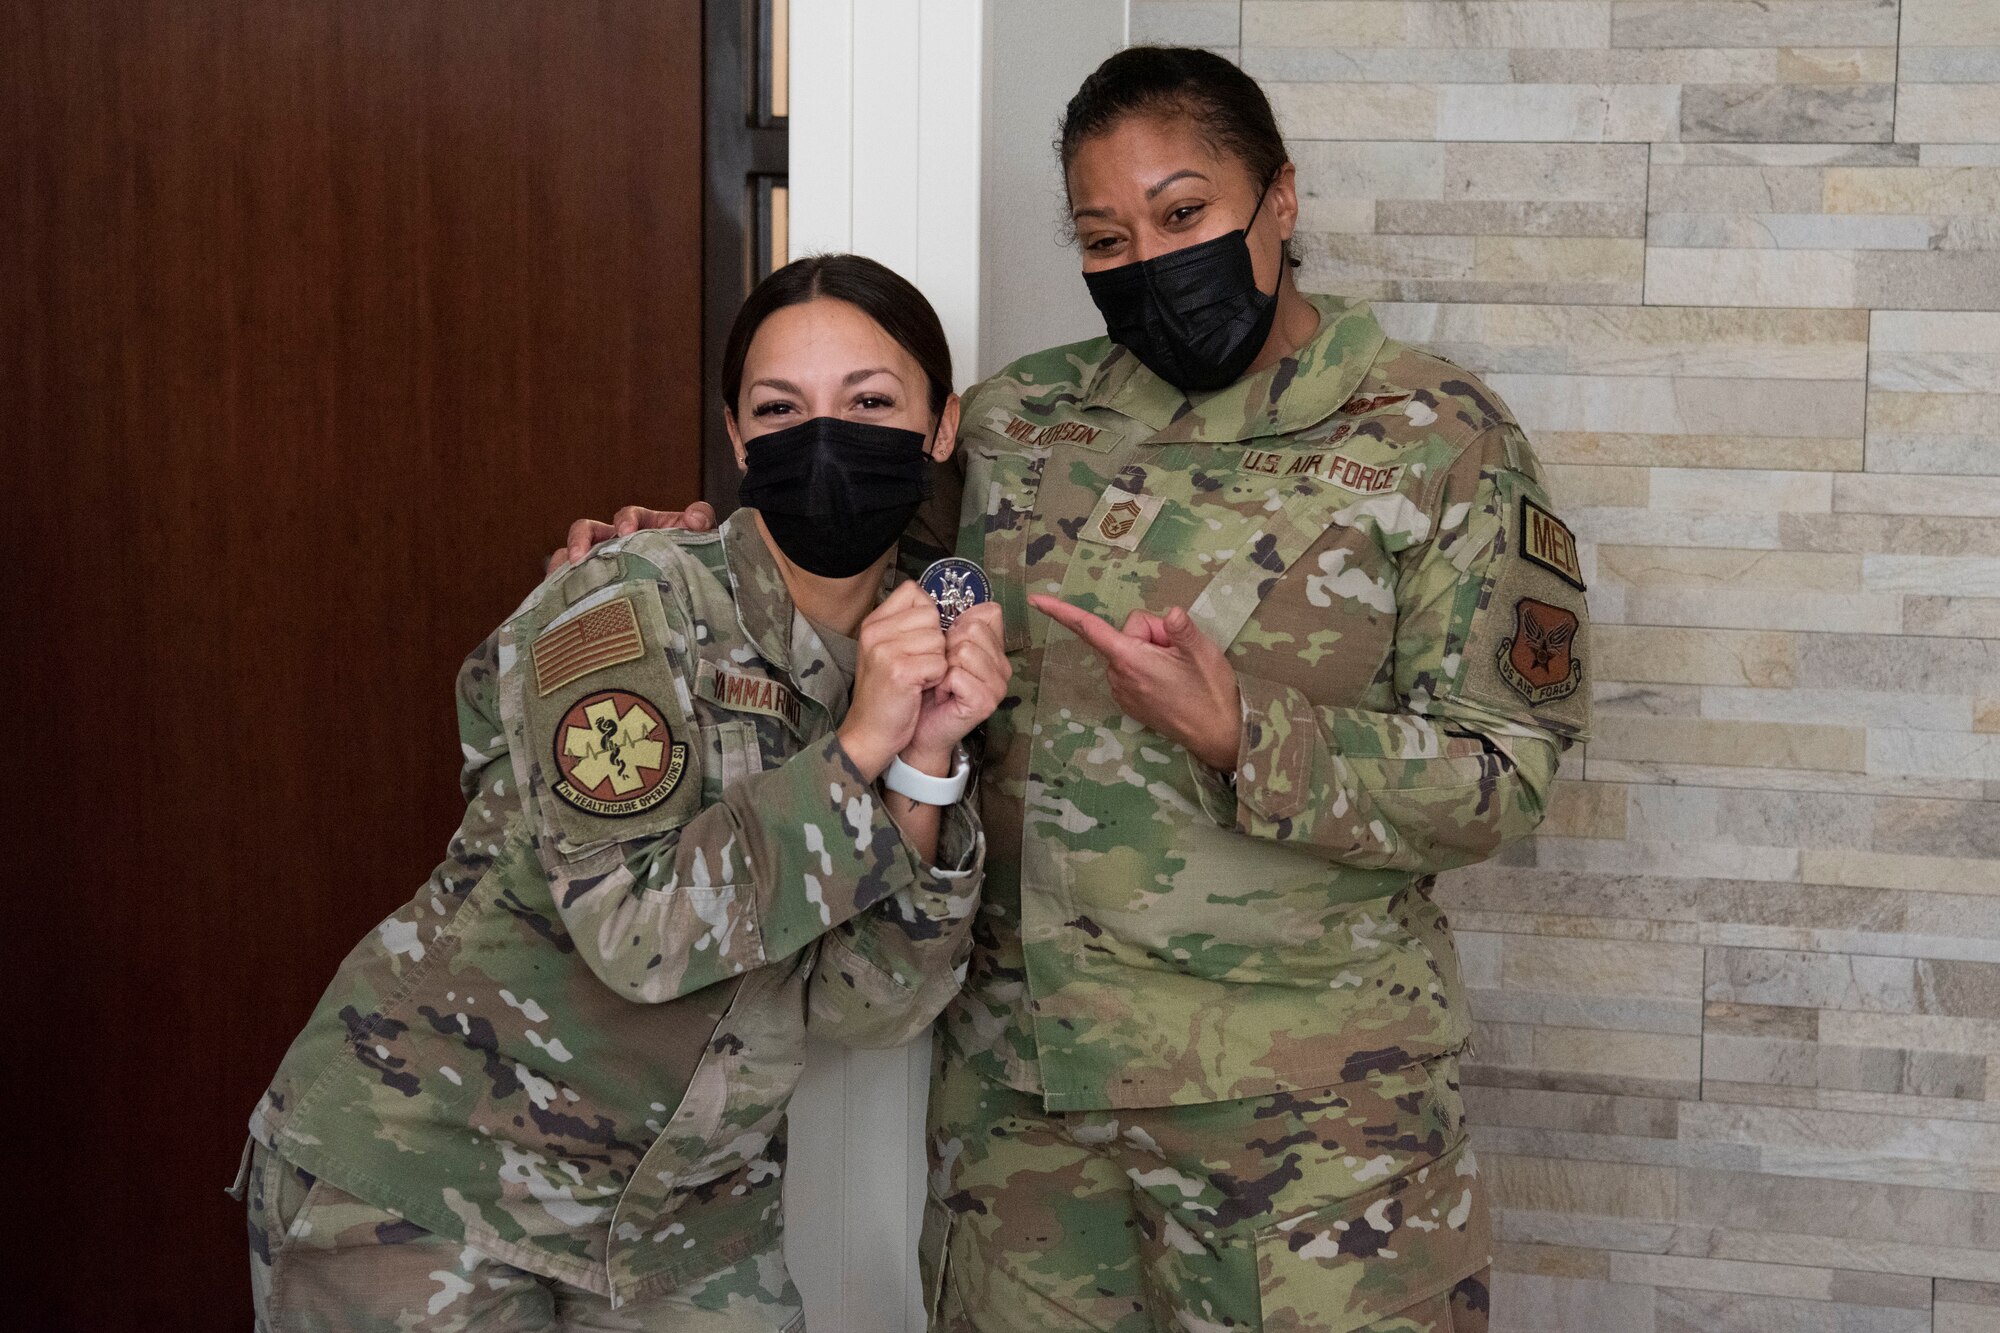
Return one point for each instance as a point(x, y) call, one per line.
point(318, 321)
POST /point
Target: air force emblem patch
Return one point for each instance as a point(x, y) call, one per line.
point(1537, 661)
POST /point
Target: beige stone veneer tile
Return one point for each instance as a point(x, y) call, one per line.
point(1602, 967)
point(1586, 810)
point(1948, 113)
point(1945, 874)
point(1649, 566)
point(1709, 343)
point(1644, 653)
point(1751, 277)
point(1871, 493)
point(1615, 449)
point(1756, 744)
point(1950, 23)
point(1609, 1189)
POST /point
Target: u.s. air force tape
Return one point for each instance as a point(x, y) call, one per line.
point(956, 585)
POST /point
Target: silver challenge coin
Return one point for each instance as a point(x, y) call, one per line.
point(956, 585)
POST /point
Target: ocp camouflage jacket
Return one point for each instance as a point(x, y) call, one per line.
point(1365, 529)
point(573, 1049)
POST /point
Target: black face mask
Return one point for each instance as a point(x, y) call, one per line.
point(1194, 317)
point(835, 494)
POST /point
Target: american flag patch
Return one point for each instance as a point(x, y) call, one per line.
point(597, 639)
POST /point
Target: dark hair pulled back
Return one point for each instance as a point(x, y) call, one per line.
point(878, 291)
point(1219, 101)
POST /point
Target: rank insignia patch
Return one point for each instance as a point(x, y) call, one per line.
point(1118, 520)
point(615, 755)
point(602, 637)
point(1549, 544)
point(1538, 661)
point(1121, 518)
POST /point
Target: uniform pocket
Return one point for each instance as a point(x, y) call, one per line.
point(1007, 481)
point(934, 1257)
point(1365, 1258)
point(288, 1193)
point(1194, 1274)
point(276, 1198)
point(238, 1187)
point(734, 751)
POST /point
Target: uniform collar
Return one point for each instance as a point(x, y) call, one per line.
point(772, 621)
point(1301, 390)
point(763, 604)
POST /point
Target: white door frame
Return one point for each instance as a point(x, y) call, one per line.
point(885, 162)
point(891, 158)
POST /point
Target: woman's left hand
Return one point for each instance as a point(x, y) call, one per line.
point(1165, 674)
point(974, 684)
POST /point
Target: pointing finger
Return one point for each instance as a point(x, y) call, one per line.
point(1107, 642)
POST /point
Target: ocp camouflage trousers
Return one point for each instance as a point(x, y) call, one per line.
point(323, 1261)
point(1353, 1207)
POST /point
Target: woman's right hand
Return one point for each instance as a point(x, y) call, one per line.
point(588, 532)
point(902, 655)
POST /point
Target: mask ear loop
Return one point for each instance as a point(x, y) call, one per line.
point(1284, 252)
point(1262, 195)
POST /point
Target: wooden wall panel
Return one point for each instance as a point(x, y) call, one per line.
point(317, 324)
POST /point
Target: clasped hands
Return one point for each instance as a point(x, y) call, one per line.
point(919, 690)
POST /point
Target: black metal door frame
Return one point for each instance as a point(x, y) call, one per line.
point(746, 151)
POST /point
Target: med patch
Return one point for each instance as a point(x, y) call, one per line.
point(616, 755)
point(1547, 540)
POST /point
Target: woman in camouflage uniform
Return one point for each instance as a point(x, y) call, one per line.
point(550, 1092)
point(1295, 626)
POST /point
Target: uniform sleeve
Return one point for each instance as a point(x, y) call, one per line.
point(1490, 647)
point(883, 975)
point(483, 777)
point(684, 894)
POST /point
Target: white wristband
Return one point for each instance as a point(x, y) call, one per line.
point(921, 787)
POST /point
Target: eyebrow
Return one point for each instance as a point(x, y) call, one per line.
point(1152, 193)
point(852, 378)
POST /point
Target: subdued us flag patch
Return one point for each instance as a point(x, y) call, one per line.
point(594, 640)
